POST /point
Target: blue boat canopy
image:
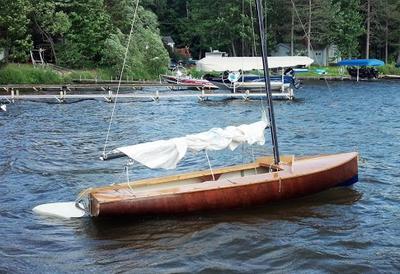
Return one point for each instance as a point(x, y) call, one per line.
point(361, 63)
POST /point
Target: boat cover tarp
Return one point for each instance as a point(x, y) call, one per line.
point(167, 153)
point(361, 63)
point(220, 64)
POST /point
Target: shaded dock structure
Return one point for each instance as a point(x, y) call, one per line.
point(107, 91)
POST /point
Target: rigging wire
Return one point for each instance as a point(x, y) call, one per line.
point(209, 164)
point(308, 34)
point(130, 163)
point(120, 77)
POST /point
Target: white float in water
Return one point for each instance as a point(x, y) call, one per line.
point(3, 107)
point(65, 210)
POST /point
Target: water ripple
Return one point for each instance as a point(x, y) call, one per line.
point(50, 152)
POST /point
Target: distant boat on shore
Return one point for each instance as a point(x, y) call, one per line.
point(188, 81)
point(362, 68)
point(237, 73)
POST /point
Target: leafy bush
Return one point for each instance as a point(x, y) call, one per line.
point(389, 69)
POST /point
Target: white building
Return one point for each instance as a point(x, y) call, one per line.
point(322, 56)
point(325, 56)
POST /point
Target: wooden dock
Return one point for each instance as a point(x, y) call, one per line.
point(150, 95)
point(94, 86)
point(129, 91)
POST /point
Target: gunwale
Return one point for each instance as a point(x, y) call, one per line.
point(285, 172)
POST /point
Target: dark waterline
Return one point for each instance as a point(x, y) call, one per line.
point(49, 152)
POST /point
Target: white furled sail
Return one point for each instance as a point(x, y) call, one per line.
point(217, 63)
point(167, 153)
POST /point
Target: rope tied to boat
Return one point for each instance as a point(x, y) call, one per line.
point(254, 159)
point(209, 164)
point(82, 201)
point(120, 77)
point(128, 164)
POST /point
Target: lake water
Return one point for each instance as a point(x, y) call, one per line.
point(49, 153)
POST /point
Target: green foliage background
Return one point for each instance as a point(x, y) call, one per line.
point(231, 26)
point(93, 34)
point(84, 34)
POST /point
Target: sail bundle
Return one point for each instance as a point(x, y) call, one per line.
point(167, 153)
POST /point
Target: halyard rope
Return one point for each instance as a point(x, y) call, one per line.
point(120, 77)
point(127, 176)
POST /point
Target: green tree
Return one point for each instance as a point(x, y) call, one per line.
point(348, 27)
point(90, 27)
point(232, 28)
point(173, 17)
point(14, 28)
point(147, 56)
point(50, 22)
point(387, 33)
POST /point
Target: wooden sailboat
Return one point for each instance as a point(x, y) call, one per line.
point(246, 185)
point(266, 180)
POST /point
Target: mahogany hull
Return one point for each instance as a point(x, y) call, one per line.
point(297, 179)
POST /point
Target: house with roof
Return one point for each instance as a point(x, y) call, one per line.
point(322, 56)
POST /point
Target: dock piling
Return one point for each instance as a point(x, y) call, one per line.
point(157, 97)
point(12, 95)
point(291, 94)
point(109, 98)
point(203, 96)
point(246, 95)
point(60, 99)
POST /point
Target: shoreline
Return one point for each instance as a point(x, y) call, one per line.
point(139, 84)
point(19, 75)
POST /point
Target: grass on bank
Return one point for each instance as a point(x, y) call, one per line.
point(28, 74)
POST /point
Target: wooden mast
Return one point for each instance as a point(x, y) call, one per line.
point(267, 82)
